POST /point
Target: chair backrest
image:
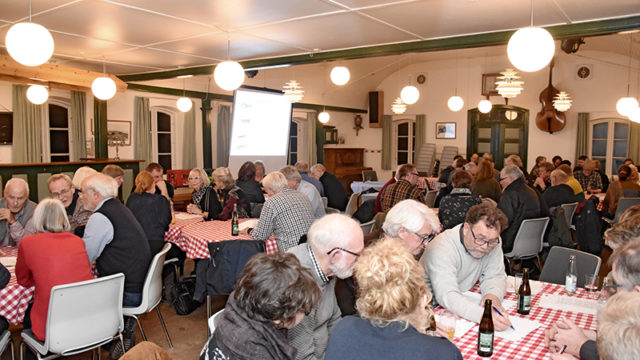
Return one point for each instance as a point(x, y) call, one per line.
point(152, 288)
point(557, 263)
point(352, 205)
point(369, 175)
point(569, 210)
point(367, 227)
point(84, 313)
point(528, 240)
point(325, 202)
point(625, 203)
point(213, 321)
point(430, 198)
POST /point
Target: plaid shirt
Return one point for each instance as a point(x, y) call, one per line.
point(287, 215)
point(592, 180)
point(398, 191)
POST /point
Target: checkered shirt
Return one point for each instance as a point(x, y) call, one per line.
point(592, 180)
point(398, 191)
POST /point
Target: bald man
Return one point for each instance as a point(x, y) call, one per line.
point(15, 213)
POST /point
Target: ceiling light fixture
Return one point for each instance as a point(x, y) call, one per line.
point(340, 75)
point(531, 48)
point(229, 75)
point(103, 87)
point(634, 115)
point(37, 94)
point(410, 94)
point(184, 103)
point(484, 106)
point(508, 85)
point(562, 101)
point(627, 104)
point(293, 91)
point(324, 117)
point(398, 107)
point(28, 43)
point(455, 103)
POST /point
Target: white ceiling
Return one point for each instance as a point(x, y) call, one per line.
point(150, 35)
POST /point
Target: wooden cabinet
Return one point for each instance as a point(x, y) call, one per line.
point(345, 163)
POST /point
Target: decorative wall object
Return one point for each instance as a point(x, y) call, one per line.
point(120, 129)
point(489, 84)
point(445, 130)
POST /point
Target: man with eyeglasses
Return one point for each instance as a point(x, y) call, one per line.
point(405, 188)
point(625, 276)
point(463, 255)
point(334, 244)
point(60, 188)
point(412, 224)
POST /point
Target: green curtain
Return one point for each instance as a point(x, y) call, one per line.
point(223, 136)
point(421, 125)
point(189, 139)
point(320, 138)
point(312, 158)
point(78, 124)
point(582, 141)
point(27, 132)
point(634, 142)
point(387, 137)
point(142, 131)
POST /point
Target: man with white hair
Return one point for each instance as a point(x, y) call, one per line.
point(295, 182)
point(303, 169)
point(16, 211)
point(334, 244)
point(287, 214)
point(413, 224)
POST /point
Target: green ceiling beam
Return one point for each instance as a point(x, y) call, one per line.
point(591, 28)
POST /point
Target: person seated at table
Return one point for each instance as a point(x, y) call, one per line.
point(204, 200)
point(474, 158)
point(515, 160)
point(405, 188)
point(115, 172)
point(5, 276)
point(16, 211)
point(556, 160)
point(543, 181)
point(484, 184)
point(61, 188)
point(559, 192)
point(163, 187)
point(618, 328)
point(604, 179)
point(623, 187)
point(229, 195)
point(303, 169)
point(52, 256)
point(273, 294)
point(335, 192)
point(287, 214)
point(454, 206)
point(378, 205)
point(445, 174)
point(580, 164)
point(395, 312)
point(534, 170)
point(588, 178)
point(457, 258)
point(295, 182)
point(79, 176)
point(334, 244)
point(260, 171)
point(571, 181)
point(246, 181)
point(625, 273)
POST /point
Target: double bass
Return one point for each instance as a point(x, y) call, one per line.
point(549, 119)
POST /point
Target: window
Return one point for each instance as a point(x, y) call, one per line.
point(293, 142)
point(609, 143)
point(405, 141)
point(58, 133)
point(163, 138)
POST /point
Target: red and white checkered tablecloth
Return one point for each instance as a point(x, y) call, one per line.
point(193, 238)
point(14, 298)
point(531, 346)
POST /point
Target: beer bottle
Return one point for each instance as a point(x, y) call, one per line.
point(485, 333)
point(524, 294)
point(234, 221)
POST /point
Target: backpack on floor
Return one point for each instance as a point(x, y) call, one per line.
point(183, 300)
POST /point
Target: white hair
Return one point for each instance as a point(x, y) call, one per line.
point(50, 216)
point(411, 215)
point(275, 182)
point(512, 171)
point(17, 182)
point(331, 231)
point(102, 184)
point(81, 174)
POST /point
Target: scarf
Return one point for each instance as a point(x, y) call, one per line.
point(196, 195)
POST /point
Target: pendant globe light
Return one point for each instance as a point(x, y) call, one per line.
point(455, 103)
point(28, 43)
point(229, 75)
point(324, 117)
point(184, 103)
point(634, 115)
point(340, 75)
point(37, 94)
point(627, 104)
point(410, 94)
point(103, 87)
point(484, 106)
point(531, 48)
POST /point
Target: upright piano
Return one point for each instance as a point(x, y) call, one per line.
point(345, 163)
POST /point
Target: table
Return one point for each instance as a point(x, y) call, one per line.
point(14, 298)
point(360, 186)
point(532, 346)
point(600, 197)
point(193, 236)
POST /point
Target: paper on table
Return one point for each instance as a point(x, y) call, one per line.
point(462, 326)
point(522, 328)
point(568, 303)
point(536, 286)
point(252, 223)
point(8, 261)
point(476, 298)
point(185, 216)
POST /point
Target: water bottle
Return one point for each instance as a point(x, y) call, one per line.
point(571, 278)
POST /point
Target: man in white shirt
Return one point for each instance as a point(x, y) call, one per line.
point(295, 182)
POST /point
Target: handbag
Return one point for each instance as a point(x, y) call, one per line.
point(183, 300)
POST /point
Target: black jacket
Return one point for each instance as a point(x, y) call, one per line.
point(560, 194)
point(335, 192)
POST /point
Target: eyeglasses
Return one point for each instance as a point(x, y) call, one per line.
point(425, 238)
point(342, 249)
point(609, 285)
point(61, 193)
point(481, 242)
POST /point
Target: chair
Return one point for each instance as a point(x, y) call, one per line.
point(5, 339)
point(528, 241)
point(367, 227)
point(369, 175)
point(325, 201)
point(623, 204)
point(213, 321)
point(352, 205)
point(82, 316)
point(555, 268)
point(430, 198)
point(151, 293)
point(569, 211)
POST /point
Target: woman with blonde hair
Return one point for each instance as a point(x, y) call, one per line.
point(229, 195)
point(394, 309)
point(203, 197)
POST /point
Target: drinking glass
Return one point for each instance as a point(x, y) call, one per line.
point(591, 285)
point(448, 324)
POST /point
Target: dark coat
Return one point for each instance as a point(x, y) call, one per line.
point(560, 194)
point(335, 192)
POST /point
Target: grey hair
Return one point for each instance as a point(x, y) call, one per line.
point(411, 215)
point(17, 182)
point(291, 173)
point(512, 171)
point(619, 327)
point(50, 216)
point(81, 174)
point(275, 181)
point(57, 177)
point(329, 232)
point(319, 167)
point(102, 184)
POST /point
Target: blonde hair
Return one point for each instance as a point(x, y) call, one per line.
point(144, 182)
point(113, 170)
point(50, 216)
point(203, 176)
point(81, 174)
point(619, 327)
point(223, 174)
point(391, 283)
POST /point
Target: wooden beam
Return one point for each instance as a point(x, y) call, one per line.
point(21, 80)
point(54, 75)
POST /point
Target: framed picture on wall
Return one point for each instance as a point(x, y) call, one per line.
point(445, 130)
point(119, 130)
point(489, 84)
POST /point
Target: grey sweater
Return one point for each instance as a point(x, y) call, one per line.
point(450, 271)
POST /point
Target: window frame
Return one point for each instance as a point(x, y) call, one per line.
point(411, 151)
point(154, 134)
point(611, 121)
point(46, 129)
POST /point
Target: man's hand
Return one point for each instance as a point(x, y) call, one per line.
point(162, 186)
point(5, 214)
point(500, 322)
point(568, 334)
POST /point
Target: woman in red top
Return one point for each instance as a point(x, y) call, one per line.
point(52, 256)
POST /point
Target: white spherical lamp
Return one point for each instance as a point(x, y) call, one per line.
point(409, 94)
point(531, 48)
point(635, 115)
point(340, 75)
point(29, 44)
point(229, 75)
point(484, 106)
point(455, 103)
point(103, 88)
point(625, 105)
point(324, 117)
point(37, 94)
point(184, 104)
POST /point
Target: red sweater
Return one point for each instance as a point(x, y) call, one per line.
point(46, 260)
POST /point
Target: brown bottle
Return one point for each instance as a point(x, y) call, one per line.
point(234, 221)
point(485, 333)
point(524, 294)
